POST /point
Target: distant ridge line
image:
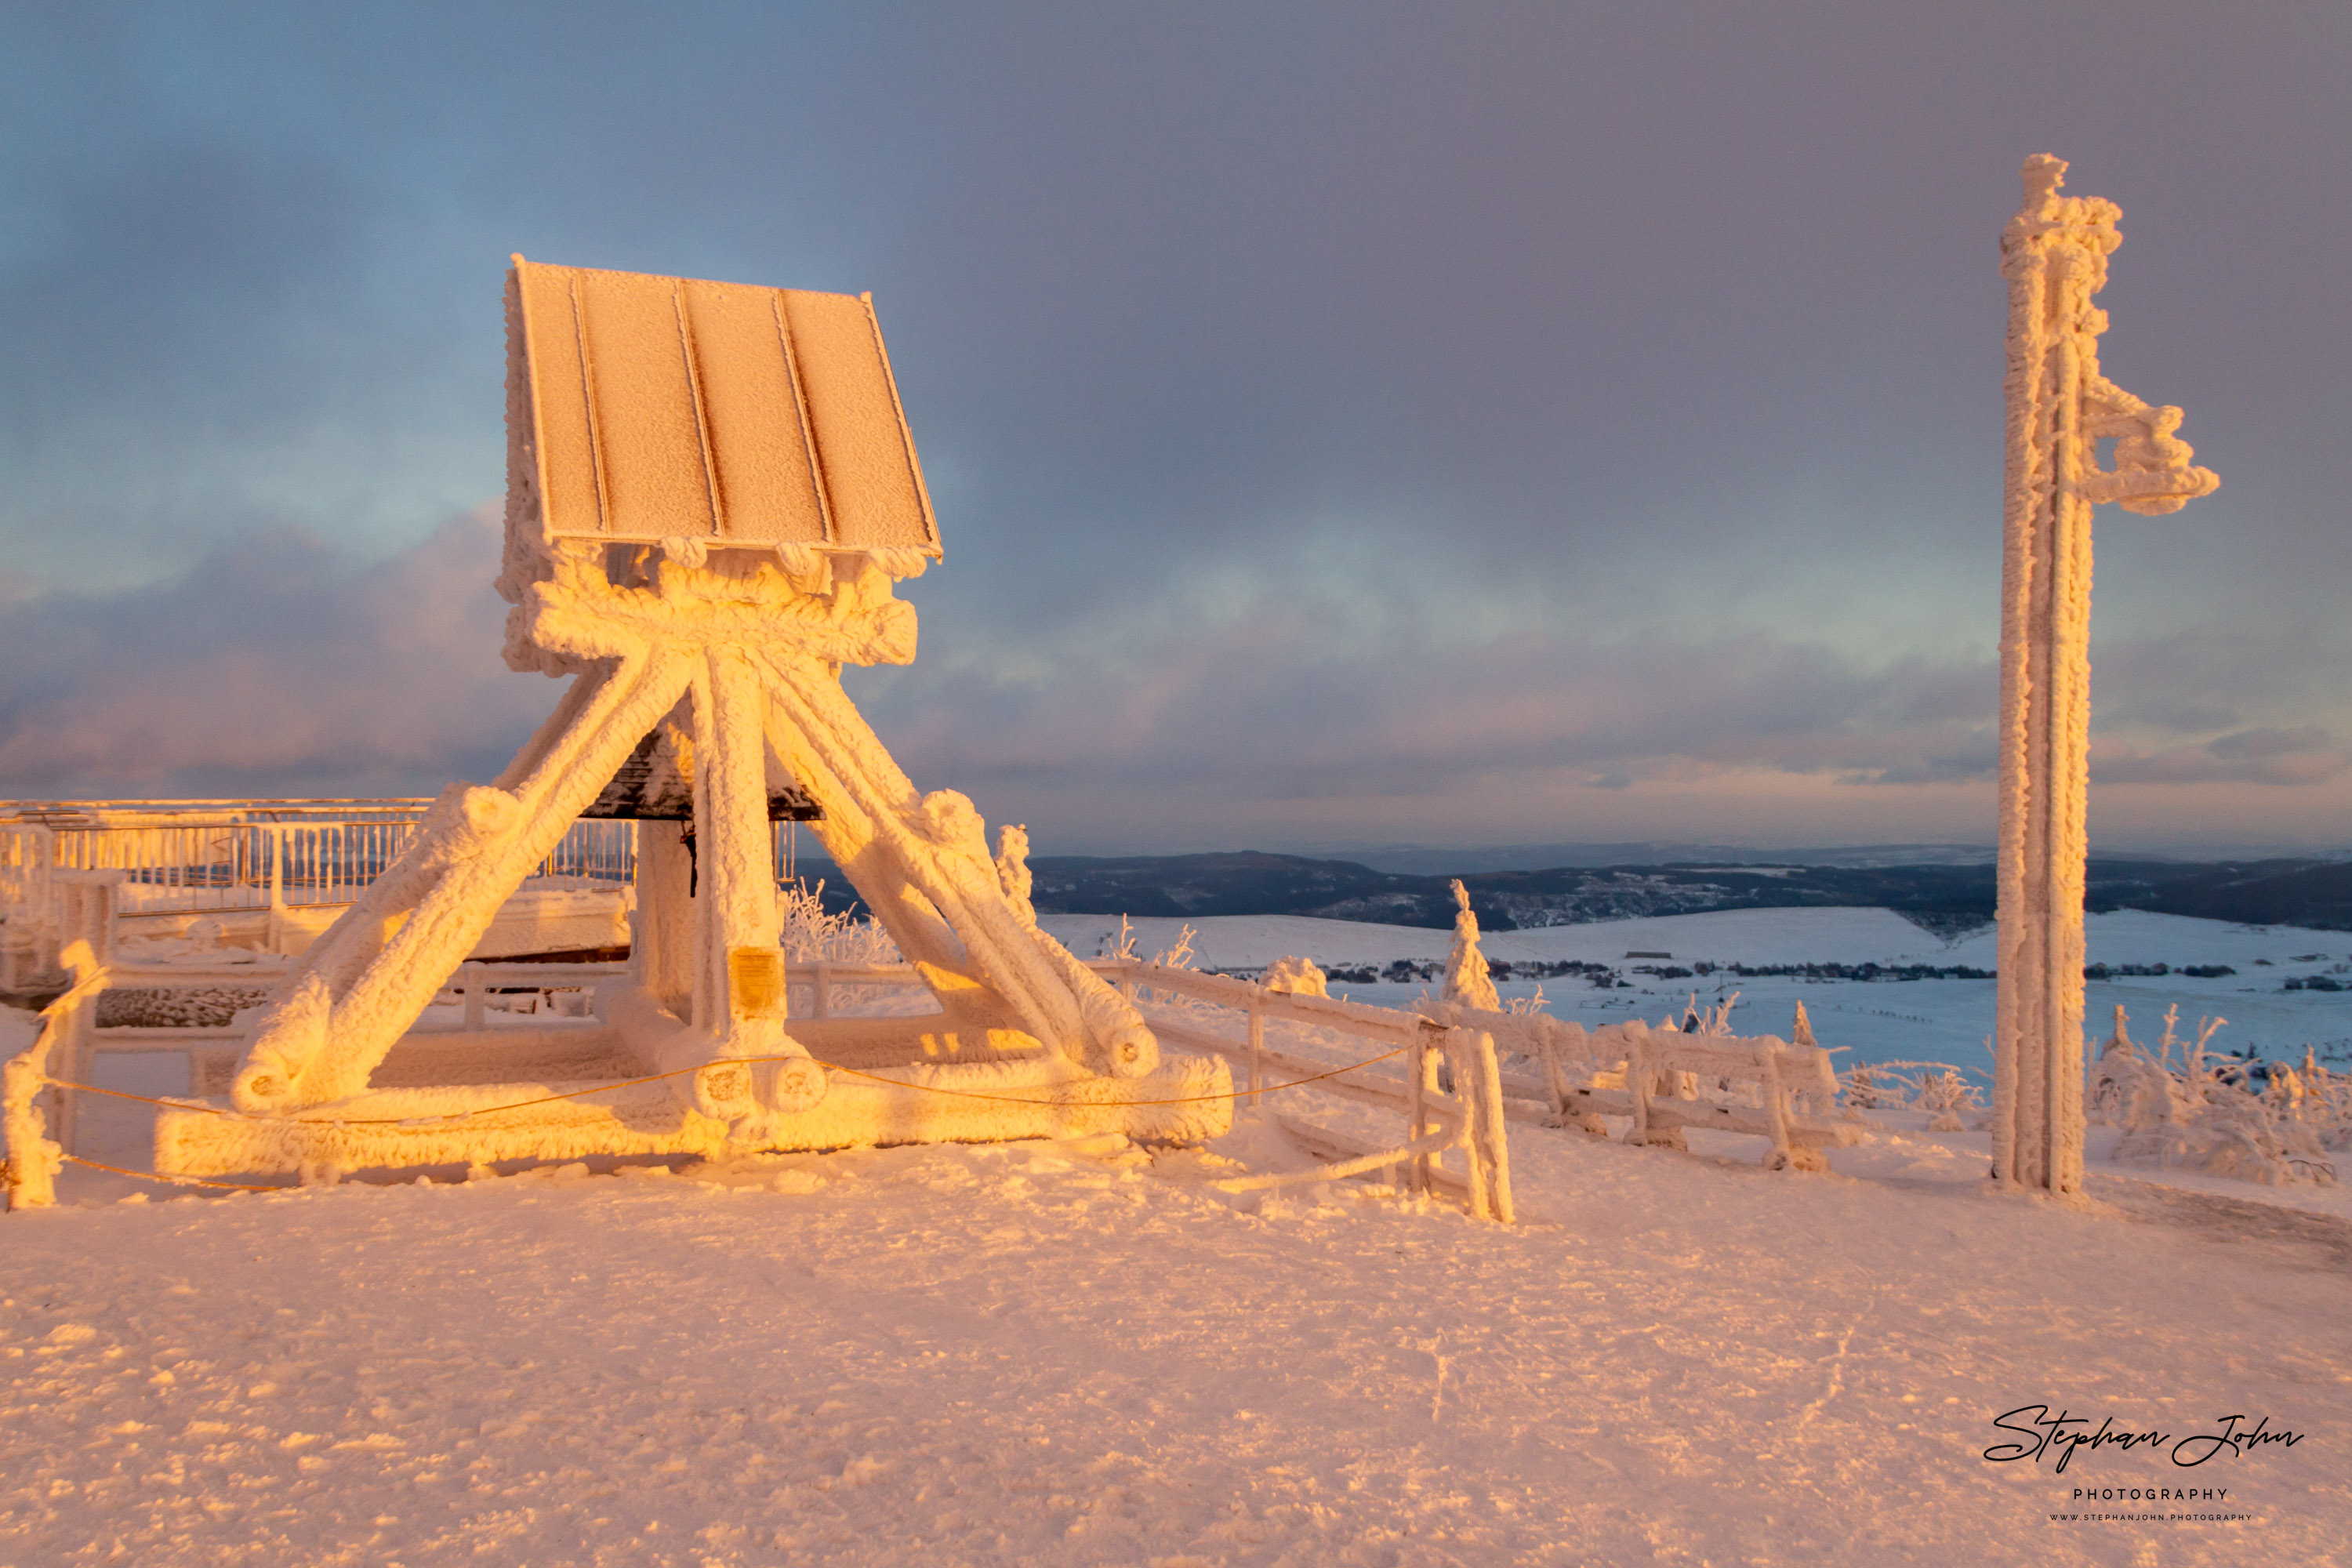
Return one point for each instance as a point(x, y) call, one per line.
point(1946, 897)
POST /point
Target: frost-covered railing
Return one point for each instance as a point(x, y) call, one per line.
point(1471, 1118)
point(180, 860)
point(1664, 1081)
point(1659, 1081)
point(63, 1047)
point(233, 857)
point(197, 855)
point(41, 1107)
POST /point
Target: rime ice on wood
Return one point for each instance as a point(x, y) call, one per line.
point(2055, 255)
point(711, 491)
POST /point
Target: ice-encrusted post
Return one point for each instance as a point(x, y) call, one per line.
point(2055, 255)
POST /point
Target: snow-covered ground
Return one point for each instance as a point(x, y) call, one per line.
point(1082, 1354)
point(1054, 1354)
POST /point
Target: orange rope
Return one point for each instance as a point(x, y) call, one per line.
point(176, 1181)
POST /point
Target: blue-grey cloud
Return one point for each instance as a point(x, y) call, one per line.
point(277, 667)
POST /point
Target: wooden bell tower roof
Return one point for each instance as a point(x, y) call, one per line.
point(643, 409)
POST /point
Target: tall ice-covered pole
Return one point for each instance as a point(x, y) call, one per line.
point(2055, 255)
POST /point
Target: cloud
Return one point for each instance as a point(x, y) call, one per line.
point(274, 666)
point(2304, 754)
point(1267, 704)
point(1207, 714)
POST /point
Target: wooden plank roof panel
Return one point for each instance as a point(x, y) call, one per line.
point(728, 412)
point(767, 482)
point(643, 397)
point(871, 478)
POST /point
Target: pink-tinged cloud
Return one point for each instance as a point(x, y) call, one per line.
point(276, 666)
point(2302, 755)
point(1287, 715)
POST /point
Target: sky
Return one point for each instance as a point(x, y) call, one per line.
point(1349, 425)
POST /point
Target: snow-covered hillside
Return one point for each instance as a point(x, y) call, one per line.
point(1882, 1020)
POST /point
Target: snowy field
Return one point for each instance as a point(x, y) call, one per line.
point(1881, 1020)
point(1082, 1354)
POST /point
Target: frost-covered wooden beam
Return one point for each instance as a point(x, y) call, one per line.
point(2055, 255)
point(711, 492)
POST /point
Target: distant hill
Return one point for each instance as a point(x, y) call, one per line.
point(1942, 898)
point(1946, 898)
point(1421, 860)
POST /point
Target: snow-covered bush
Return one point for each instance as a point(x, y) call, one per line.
point(1179, 955)
point(1298, 976)
point(1939, 1088)
point(810, 935)
point(1119, 944)
point(1525, 1006)
point(2203, 1114)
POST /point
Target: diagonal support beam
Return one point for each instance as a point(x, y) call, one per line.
point(922, 864)
point(362, 985)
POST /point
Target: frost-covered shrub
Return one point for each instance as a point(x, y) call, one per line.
point(2203, 1115)
point(1939, 1088)
point(1298, 976)
point(1179, 955)
point(809, 934)
point(1525, 1006)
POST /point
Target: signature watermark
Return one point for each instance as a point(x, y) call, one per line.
point(2036, 1434)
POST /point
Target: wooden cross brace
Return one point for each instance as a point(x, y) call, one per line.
point(739, 658)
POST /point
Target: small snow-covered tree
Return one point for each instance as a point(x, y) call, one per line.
point(1298, 976)
point(1467, 979)
point(1013, 870)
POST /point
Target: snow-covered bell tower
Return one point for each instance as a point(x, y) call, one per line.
point(2054, 254)
point(711, 491)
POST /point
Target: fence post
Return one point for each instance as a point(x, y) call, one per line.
point(1257, 1041)
point(275, 924)
point(469, 974)
point(1547, 1031)
point(1425, 1083)
point(69, 1050)
point(1494, 1146)
point(77, 1056)
point(822, 1008)
point(1776, 1103)
point(34, 1159)
point(1637, 1083)
point(1460, 1048)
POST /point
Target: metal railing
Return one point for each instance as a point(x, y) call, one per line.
point(209, 857)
